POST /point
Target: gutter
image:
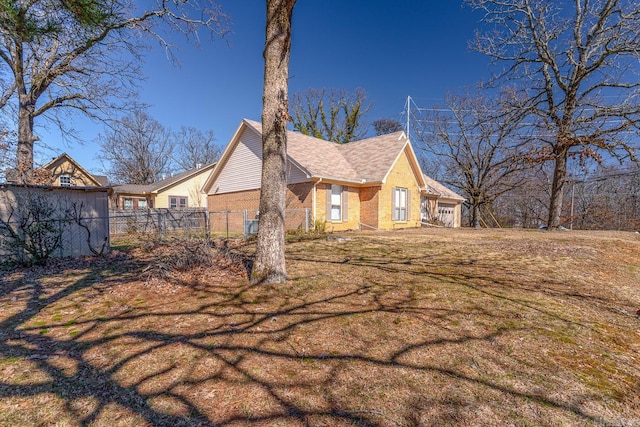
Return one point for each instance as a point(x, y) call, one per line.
point(340, 180)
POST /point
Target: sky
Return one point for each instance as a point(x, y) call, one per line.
point(391, 49)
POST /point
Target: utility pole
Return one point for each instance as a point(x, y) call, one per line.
point(408, 116)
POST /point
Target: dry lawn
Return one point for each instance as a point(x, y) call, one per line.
point(412, 328)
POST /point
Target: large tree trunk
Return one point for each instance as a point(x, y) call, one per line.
point(475, 214)
point(557, 187)
point(26, 110)
point(269, 266)
point(24, 155)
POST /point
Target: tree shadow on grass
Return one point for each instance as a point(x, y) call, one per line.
point(236, 354)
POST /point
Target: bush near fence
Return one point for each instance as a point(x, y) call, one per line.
point(160, 221)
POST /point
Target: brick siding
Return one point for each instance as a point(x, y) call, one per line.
point(369, 201)
point(298, 197)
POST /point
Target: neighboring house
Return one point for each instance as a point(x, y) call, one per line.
point(182, 190)
point(374, 183)
point(63, 171)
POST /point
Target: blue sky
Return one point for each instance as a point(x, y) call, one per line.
point(391, 49)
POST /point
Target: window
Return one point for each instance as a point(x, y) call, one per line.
point(142, 203)
point(65, 180)
point(337, 203)
point(177, 202)
point(400, 201)
point(127, 204)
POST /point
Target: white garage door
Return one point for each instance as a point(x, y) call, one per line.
point(446, 214)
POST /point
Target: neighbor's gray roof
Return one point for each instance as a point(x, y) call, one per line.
point(103, 180)
point(149, 188)
point(133, 188)
point(361, 161)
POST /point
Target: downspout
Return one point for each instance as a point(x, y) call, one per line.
point(314, 200)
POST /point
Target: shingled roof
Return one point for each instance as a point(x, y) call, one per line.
point(365, 161)
point(434, 187)
point(159, 185)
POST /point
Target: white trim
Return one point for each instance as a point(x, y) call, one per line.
point(64, 175)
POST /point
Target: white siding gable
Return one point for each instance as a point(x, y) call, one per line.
point(243, 170)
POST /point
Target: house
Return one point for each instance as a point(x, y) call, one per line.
point(182, 190)
point(64, 171)
point(371, 184)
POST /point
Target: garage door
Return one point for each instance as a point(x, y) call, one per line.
point(446, 214)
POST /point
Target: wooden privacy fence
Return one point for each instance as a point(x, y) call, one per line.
point(160, 221)
point(39, 222)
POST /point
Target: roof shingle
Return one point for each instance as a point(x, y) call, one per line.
point(367, 160)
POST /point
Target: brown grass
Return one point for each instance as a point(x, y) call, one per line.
point(411, 328)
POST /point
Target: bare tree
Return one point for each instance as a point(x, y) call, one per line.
point(334, 115)
point(7, 147)
point(576, 62)
point(606, 199)
point(385, 126)
point(478, 146)
point(269, 266)
point(193, 148)
point(526, 206)
point(64, 57)
point(138, 149)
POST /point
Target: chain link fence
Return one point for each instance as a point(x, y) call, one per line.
point(158, 221)
point(238, 223)
point(33, 238)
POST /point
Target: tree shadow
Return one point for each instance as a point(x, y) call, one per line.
point(239, 354)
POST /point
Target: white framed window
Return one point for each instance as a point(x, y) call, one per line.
point(336, 202)
point(400, 200)
point(127, 203)
point(337, 209)
point(65, 180)
point(142, 203)
point(176, 202)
